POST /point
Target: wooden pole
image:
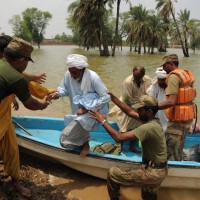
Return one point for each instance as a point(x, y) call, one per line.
point(21, 127)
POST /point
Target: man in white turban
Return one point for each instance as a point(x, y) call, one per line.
point(157, 90)
point(86, 91)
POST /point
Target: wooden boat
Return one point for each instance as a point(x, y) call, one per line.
point(41, 135)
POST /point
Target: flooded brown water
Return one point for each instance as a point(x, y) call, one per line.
point(112, 70)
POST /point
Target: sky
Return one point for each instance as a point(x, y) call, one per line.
point(58, 9)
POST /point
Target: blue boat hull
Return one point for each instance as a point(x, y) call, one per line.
point(44, 139)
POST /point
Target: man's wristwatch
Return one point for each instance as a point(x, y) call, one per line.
point(102, 123)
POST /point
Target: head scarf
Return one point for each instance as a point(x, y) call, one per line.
point(161, 73)
point(76, 60)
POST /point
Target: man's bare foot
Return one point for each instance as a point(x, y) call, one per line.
point(85, 149)
point(26, 192)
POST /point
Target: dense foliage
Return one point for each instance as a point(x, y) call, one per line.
point(31, 26)
point(139, 27)
point(94, 25)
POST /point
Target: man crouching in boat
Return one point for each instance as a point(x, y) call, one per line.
point(153, 170)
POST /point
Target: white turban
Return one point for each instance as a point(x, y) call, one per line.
point(76, 60)
point(161, 73)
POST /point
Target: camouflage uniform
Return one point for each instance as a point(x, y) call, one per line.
point(176, 132)
point(175, 138)
point(145, 176)
point(151, 173)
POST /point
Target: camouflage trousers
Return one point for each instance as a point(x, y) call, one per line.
point(147, 177)
point(175, 139)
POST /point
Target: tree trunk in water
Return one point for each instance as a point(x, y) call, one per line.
point(139, 48)
point(186, 44)
point(145, 48)
point(179, 34)
point(152, 50)
point(152, 45)
point(97, 36)
point(135, 49)
point(149, 48)
point(104, 40)
point(116, 28)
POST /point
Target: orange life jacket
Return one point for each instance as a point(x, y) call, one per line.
point(185, 109)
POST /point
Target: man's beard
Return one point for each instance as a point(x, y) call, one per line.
point(77, 79)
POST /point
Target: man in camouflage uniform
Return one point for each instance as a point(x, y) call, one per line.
point(15, 60)
point(176, 131)
point(153, 170)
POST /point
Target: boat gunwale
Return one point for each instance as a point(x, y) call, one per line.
point(99, 155)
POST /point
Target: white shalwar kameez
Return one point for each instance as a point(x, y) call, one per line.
point(160, 95)
point(89, 92)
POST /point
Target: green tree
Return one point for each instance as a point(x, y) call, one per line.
point(116, 37)
point(183, 20)
point(36, 22)
point(194, 32)
point(138, 26)
point(63, 38)
point(166, 9)
point(122, 33)
point(71, 24)
point(31, 26)
point(19, 28)
point(156, 26)
point(88, 22)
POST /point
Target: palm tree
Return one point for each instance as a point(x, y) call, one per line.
point(183, 20)
point(103, 33)
point(194, 32)
point(140, 28)
point(166, 9)
point(116, 37)
point(129, 29)
point(116, 28)
point(122, 33)
point(157, 33)
point(88, 19)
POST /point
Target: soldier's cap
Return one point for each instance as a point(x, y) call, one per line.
point(169, 58)
point(146, 101)
point(22, 47)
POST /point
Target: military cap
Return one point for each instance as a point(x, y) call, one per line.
point(169, 58)
point(21, 46)
point(146, 101)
